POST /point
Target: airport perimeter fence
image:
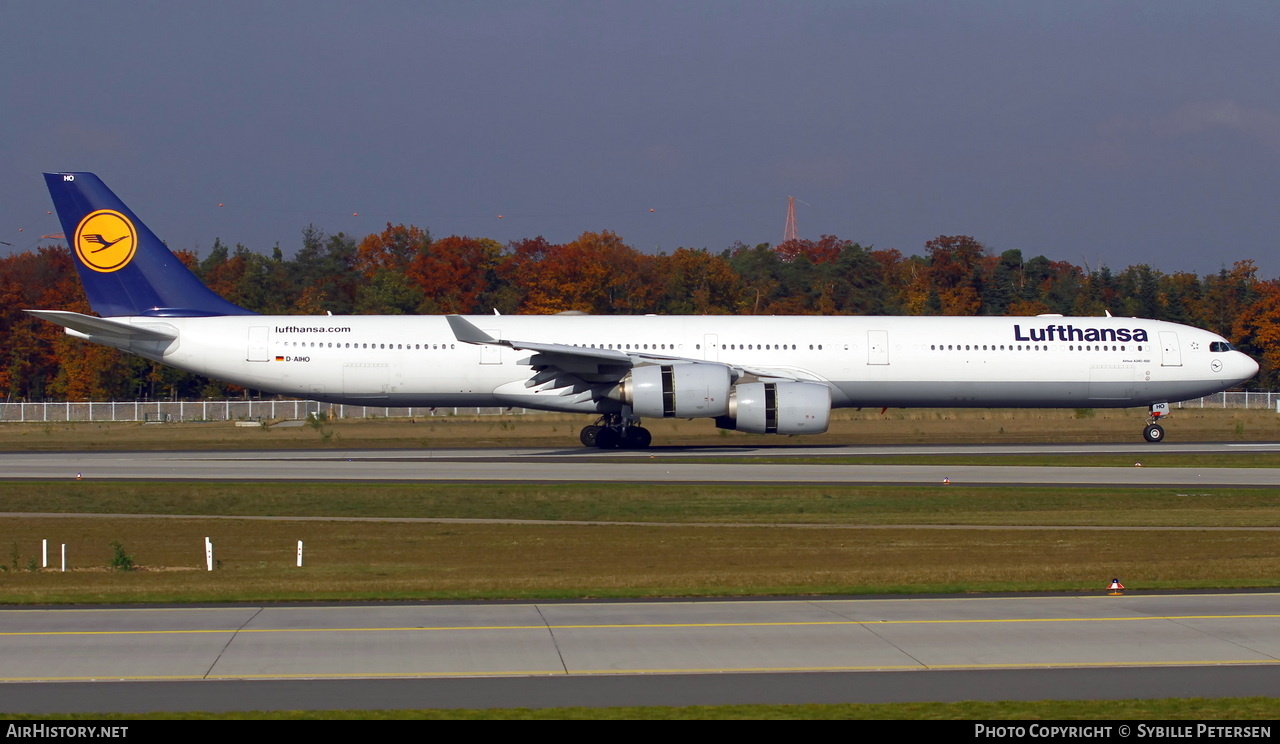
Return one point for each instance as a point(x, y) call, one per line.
point(275, 410)
point(220, 410)
point(1236, 399)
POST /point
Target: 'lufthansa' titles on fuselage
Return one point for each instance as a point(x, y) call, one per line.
point(1072, 333)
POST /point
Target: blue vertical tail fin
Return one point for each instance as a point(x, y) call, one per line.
point(124, 267)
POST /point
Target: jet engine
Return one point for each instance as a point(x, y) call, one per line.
point(683, 390)
point(778, 408)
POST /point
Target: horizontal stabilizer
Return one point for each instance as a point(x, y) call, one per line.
point(91, 326)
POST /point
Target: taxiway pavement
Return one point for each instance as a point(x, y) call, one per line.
point(787, 650)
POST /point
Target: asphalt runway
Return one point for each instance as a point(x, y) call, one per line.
point(479, 655)
point(582, 465)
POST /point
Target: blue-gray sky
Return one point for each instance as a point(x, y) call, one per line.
point(1108, 133)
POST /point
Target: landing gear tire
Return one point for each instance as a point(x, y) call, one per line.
point(1153, 433)
point(636, 437)
point(613, 431)
point(608, 438)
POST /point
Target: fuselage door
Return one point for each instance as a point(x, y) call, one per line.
point(711, 347)
point(877, 347)
point(259, 344)
point(1171, 356)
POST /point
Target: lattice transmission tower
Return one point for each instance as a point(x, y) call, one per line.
point(789, 232)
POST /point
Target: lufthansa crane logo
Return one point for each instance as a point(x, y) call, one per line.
point(106, 240)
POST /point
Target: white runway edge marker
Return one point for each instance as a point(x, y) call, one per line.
point(299, 554)
point(208, 554)
point(64, 557)
point(44, 553)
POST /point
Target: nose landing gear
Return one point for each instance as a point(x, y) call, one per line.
point(1154, 432)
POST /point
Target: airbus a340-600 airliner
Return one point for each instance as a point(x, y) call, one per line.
point(762, 374)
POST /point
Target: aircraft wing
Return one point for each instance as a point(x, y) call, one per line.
point(590, 372)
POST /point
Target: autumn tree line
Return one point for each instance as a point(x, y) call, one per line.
point(403, 270)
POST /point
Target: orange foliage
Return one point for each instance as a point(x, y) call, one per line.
point(597, 273)
point(698, 283)
point(960, 301)
point(45, 279)
point(454, 273)
point(1260, 320)
point(826, 250)
point(393, 249)
point(224, 277)
point(1027, 307)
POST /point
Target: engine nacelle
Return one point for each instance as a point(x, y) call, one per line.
point(683, 390)
point(779, 408)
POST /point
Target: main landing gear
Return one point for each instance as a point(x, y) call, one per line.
point(613, 432)
point(1154, 431)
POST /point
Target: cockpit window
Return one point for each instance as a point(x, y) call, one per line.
point(1221, 346)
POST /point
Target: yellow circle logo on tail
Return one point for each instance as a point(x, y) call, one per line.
point(106, 240)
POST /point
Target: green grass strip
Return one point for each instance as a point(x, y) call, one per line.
point(854, 504)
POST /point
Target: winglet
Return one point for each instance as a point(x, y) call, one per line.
point(468, 333)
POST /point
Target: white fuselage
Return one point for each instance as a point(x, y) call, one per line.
point(866, 361)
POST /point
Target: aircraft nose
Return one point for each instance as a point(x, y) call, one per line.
point(1248, 367)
